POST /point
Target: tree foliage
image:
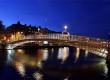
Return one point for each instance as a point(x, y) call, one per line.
point(2, 27)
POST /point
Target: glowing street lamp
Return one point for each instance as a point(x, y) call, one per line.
point(38, 30)
point(12, 37)
point(65, 30)
point(18, 33)
point(21, 32)
point(65, 27)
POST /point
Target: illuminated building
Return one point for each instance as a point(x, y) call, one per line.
point(16, 30)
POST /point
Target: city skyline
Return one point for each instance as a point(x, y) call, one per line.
point(89, 18)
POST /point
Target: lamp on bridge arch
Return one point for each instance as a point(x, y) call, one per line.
point(65, 27)
point(65, 31)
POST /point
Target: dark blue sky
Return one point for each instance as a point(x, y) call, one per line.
point(84, 17)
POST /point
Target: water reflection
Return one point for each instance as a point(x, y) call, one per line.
point(77, 54)
point(3, 57)
point(20, 68)
point(53, 63)
point(45, 54)
point(39, 55)
point(86, 53)
point(37, 76)
point(10, 54)
point(63, 53)
point(28, 59)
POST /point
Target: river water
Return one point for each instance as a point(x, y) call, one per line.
point(57, 63)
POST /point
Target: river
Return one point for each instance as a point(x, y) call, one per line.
point(57, 63)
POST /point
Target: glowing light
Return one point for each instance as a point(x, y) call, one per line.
point(18, 32)
point(4, 38)
point(21, 32)
point(60, 53)
point(9, 47)
point(38, 29)
point(37, 76)
point(104, 55)
point(65, 27)
point(45, 54)
point(86, 53)
point(8, 40)
point(39, 41)
point(63, 53)
point(66, 79)
point(45, 42)
point(20, 68)
point(77, 53)
point(39, 64)
point(20, 51)
point(9, 55)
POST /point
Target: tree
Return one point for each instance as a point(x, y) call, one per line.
point(2, 27)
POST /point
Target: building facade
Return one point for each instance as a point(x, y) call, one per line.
point(15, 31)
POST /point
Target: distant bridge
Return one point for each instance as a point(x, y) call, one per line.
point(94, 45)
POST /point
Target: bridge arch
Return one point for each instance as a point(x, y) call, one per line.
point(16, 44)
point(94, 45)
point(40, 42)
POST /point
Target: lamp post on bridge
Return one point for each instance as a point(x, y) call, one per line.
point(65, 34)
point(38, 30)
point(65, 27)
point(65, 30)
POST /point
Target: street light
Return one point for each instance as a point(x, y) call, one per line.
point(21, 32)
point(38, 30)
point(65, 30)
point(65, 27)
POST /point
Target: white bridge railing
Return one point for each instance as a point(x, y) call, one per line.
point(64, 37)
point(96, 45)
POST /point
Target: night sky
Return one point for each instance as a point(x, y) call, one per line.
point(84, 17)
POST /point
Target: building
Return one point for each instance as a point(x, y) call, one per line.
point(15, 31)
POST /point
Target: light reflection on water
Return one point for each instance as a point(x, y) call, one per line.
point(52, 61)
point(20, 68)
point(63, 53)
point(9, 55)
point(86, 53)
point(77, 54)
point(37, 76)
point(45, 54)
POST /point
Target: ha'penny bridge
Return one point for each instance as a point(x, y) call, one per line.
point(88, 44)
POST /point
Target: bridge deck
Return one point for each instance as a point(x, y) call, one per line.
point(94, 45)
